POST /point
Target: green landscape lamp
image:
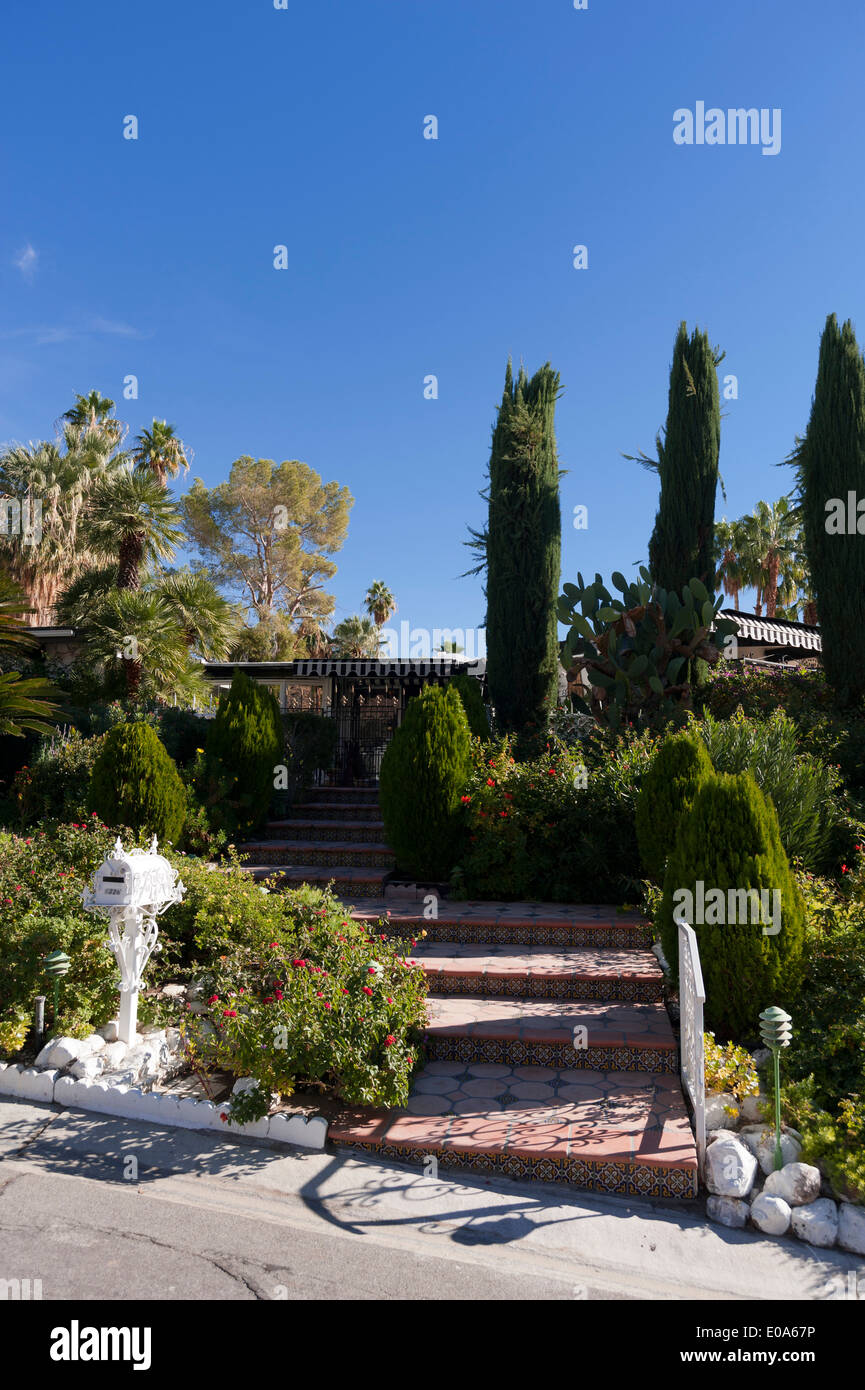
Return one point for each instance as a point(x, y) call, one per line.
point(57, 965)
point(776, 1032)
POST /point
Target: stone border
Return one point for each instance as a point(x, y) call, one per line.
point(156, 1107)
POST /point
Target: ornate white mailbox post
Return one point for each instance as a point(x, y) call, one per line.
point(132, 887)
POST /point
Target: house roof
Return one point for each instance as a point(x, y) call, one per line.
point(775, 632)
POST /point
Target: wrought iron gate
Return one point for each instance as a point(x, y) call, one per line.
point(365, 726)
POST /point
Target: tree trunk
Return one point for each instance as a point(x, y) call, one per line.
point(129, 567)
point(772, 586)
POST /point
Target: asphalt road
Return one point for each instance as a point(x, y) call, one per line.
point(98, 1208)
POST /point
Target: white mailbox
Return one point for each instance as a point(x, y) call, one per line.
point(133, 887)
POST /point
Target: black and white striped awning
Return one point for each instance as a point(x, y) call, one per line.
point(356, 666)
point(775, 632)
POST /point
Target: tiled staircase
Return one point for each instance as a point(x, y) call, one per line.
point(549, 1052)
point(335, 835)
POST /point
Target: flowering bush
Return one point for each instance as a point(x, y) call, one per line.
point(729, 1068)
point(55, 783)
point(306, 994)
point(559, 828)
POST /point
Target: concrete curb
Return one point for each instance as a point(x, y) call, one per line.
point(131, 1103)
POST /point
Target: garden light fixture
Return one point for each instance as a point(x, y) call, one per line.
point(776, 1032)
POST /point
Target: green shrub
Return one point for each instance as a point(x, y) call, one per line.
point(423, 774)
point(135, 783)
point(667, 791)
point(804, 792)
point(470, 693)
point(183, 733)
point(729, 840)
point(56, 783)
point(245, 745)
point(557, 829)
point(833, 1140)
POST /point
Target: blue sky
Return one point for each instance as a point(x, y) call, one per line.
point(411, 257)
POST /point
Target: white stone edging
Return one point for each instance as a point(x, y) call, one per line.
point(157, 1107)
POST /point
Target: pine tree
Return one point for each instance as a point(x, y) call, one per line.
point(831, 463)
point(682, 543)
point(523, 556)
point(423, 774)
point(729, 840)
point(134, 782)
point(473, 704)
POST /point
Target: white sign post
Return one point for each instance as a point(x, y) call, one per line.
point(132, 887)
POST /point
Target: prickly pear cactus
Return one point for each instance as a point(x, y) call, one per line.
point(633, 656)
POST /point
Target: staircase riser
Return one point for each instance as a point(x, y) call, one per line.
point(343, 888)
point(479, 933)
point(648, 991)
point(362, 833)
point(341, 796)
point(327, 811)
point(325, 858)
point(621, 1179)
point(514, 1052)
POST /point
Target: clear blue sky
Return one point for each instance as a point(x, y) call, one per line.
point(409, 256)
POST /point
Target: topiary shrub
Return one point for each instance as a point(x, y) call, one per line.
point(470, 693)
point(667, 791)
point(423, 774)
point(135, 783)
point(729, 841)
point(245, 744)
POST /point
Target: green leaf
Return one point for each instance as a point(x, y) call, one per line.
point(699, 590)
point(656, 685)
point(620, 581)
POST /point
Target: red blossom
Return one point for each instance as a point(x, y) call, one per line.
point(367, 990)
point(389, 1040)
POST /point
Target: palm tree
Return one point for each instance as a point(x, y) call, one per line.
point(770, 539)
point(355, 637)
point(141, 630)
point(160, 452)
point(92, 413)
point(380, 603)
point(729, 544)
point(25, 704)
point(131, 521)
point(58, 479)
point(314, 638)
point(209, 623)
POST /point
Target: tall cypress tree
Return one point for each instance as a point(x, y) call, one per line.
point(831, 463)
point(523, 556)
point(681, 546)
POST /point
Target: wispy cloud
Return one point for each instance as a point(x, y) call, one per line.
point(49, 333)
point(27, 260)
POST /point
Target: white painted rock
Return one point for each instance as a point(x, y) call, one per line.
point(108, 1031)
point(797, 1183)
point(727, 1211)
point(817, 1223)
point(760, 1139)
point(749, 1109)
point(88, 1068)
point(851, 1228)
point(771, 1214)
point(113, 1055)
point(96, 1041)
point(658, 953)
point(61, 1052)
point(722, 1110)
point(174, 991)
point(730, 1168)
point(714, 1134)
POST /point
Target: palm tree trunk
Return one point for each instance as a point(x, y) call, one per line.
point(129, 568)
point(772, 585)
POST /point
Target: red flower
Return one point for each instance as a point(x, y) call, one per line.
point(367, 990)
point(464, 799)
point(319, 994)
point(552, 772)
point(370, 970)
point(389, 1040)
point(229, 1013)
point(490, 782)
point(214, 999)
point(410, 1061)
point(503, 813)
point(274, 945)
point(345, 991)
point(279, 994)
point(326, 1005)
point(382, 938)
point(389, 1000)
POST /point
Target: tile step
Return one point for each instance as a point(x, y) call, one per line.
point(607, 1132)
point(335, 853)
point(369, 831)
point(569, 972)
point(589, 1034)
point(353, 883)
point(605, 930)
point(365, 811)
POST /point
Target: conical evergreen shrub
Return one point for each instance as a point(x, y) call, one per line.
point(473, 704)
point(423, 774)
point(135, 783)
point(245, 745)
point(729, 840)
point(666, 793)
